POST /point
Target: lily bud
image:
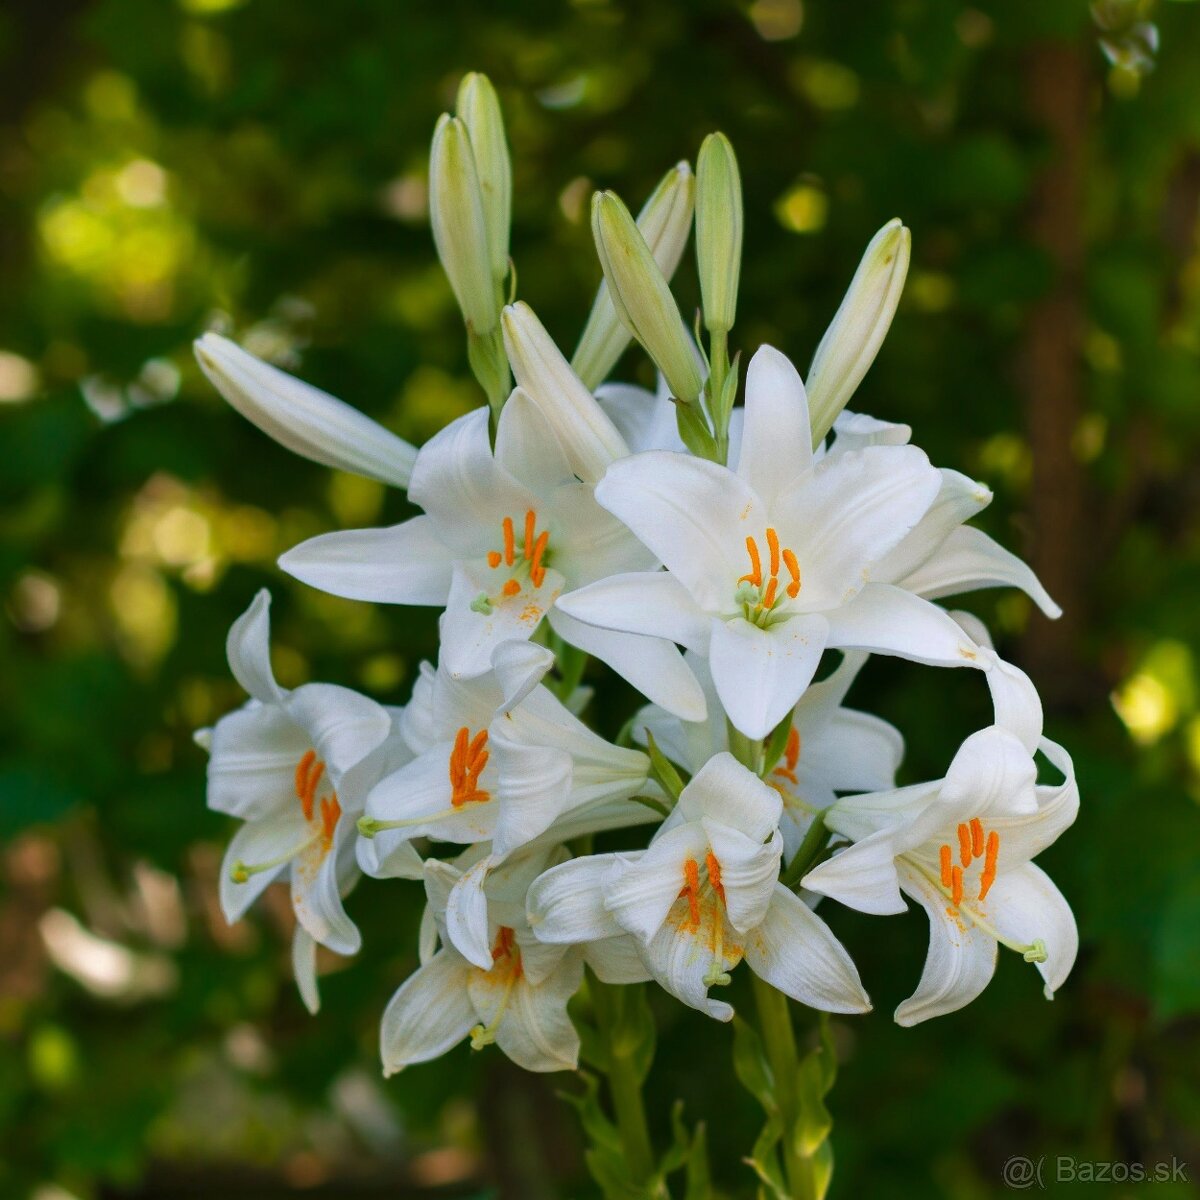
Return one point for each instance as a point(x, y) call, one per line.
point(665, 221)
point(303, 418)
point(718, 231)
point(459, 228)
point(479, 110)
point(858, 328)
point(585, 430)
point(642, 297)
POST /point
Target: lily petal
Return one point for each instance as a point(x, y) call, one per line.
point(617, 960)
point(535, 1030)
point(1025, 906)
point(304, 966)
point(888, 620)
point(777, 436)
point(566, 903)
point(640, 892)
point(749, 872)
point(430, 1013)
point(723, 790)
point(259, 842)
point(344, 726)
point(653, 603)
point(252, 763)
point(248, 648)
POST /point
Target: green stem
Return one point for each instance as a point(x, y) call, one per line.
point(624, 1086)
point(718, 369)
point(779, 1041)
point(806, 855)
point(748, 751)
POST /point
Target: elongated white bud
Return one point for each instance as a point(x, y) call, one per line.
point(459, 228)
point(665, 222)
point(586, 432)
point(718, 231)
point(858, 328)
point(303, 418)
point(479, 110)
point(642, 296)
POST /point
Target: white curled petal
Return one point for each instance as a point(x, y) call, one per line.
point(640, 892)
point(857, 817)
point(760, 673)
point(652, 665)
point(646, 420)
point(749, 872)
point(994, 773)
point(467, 916)
point(317, 895)
point(304, 967)
point(969, 560)
point(469, 637)
point(306, 420)
point(653, 603)
point(1017, 706)
point(849, 512)
point(252, 761)
point(527, 447)
point(888, 620)
point(275, 837)
point(534, 789)
point(248, 648)
point(862, 876)
point(617, 960)
point(796, 952)
point(535, 1031)
point(402, 564)
point(1025, 906)
point(960, 962)
point(730, 793)
point(682, 958)
point(430, 1013)
point(853, 751)
point(856, 431)
point(344, 725)
point(777, 436)
point(694, 516)
point(566, 903)
point(1025, 835)
point(520, 666)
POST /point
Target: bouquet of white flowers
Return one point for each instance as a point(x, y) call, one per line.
point(711, 555)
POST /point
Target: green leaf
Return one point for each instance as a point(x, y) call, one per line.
point(663, 770)
point(699, 1180)
point(751, 1066)
point(776, 744)
point(765, 1161)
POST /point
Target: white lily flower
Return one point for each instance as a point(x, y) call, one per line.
point(306, 420)
point(770, 564)
point(517, 999)
point(702, 897)
point(490, 770)
point(961, 847)
point(503, 535)
point(830, 748)
point(295, 766)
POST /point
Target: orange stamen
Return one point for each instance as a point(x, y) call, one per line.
point(773, 546)
point(964, 844)
point(310, 789)
point(331, 810)
point(467, 761)
point(946, 876)
point(511, 588)
point(714, 874)
point(302, 769)
point(691, 889)
point(989, 865)
point(494, 557)
point(755, 576)
point(789, 559)
point(769, 596)
point(791, 753)
point(976, 837)
point(529, 520)
point(536, 571)
point(504, 943)
point(509, 548)
point(956, 885)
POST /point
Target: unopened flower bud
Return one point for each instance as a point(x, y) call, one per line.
point(718, 231)
point(858, 328)
point(642, 297)
point(665, 222)
point(479, 110)
point(459, 227)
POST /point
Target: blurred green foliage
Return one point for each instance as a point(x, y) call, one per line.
point(258, 166)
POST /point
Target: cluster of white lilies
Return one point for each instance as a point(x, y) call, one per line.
point(709, 554)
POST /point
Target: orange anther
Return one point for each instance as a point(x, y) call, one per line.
point(302, 769)
point(331, 810)
point(691, 889)
point(504, 943)
point(509, 548)
point(755, 576)
point(946, 877)
point(964, 844)
point(494, 557)
point(976, 837)
point(714, 874)
point(956, 885)
point(791, 752)
point(511, 588)
point(536, 571)
point(769, 596)
point(989, 864)
point(789, 559)
point(773, 546)
point(529, 526)
point(467, 761)
point(310, 789)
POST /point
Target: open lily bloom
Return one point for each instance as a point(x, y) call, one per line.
point(295, 766)
point(770, 564)
point(962, 848)
point(518, 1000)
point(702, 897)
point(487, 768)
point(502, 536)
point(830, 748)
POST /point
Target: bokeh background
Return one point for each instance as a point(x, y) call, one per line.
point(258, 166)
